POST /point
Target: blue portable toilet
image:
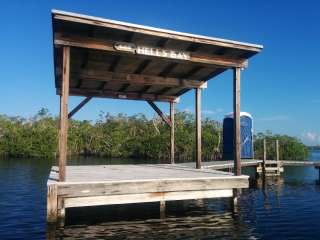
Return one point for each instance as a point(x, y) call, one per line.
point(246, 136)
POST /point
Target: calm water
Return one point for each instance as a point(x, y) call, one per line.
point(280, 208)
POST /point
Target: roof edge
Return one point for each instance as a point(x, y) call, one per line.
point(161, 30)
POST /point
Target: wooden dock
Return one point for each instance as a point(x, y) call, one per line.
point(122, 184)
point(226, 164)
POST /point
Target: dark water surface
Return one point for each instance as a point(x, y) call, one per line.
point(287, 207)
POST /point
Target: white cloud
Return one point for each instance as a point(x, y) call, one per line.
point(274, 118)
point(311, 138)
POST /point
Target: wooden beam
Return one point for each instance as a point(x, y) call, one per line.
point(236, 121)
point(198, 127)
point(63, 136)
point(120, 95)
point(145, 197)
point(116, 187)
point(80, 105)
point(102, 45)
point(172, 132)
point(160, 113)
point(137, 79)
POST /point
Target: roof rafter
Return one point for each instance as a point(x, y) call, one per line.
point(120, 95)
point(137, 79)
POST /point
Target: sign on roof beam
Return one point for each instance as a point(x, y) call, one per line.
point(151, 51)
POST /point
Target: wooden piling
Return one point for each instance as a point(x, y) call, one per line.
point(52, 203)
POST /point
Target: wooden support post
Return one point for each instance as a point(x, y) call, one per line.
point(198, 128)
point(236, 121)
point(172, 132)
point(80, 105)
point(52, 203)
point(63, 134)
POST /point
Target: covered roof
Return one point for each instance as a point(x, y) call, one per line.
point(121, 60)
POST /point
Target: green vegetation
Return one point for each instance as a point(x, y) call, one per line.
point(290, 148)
point(125, 136)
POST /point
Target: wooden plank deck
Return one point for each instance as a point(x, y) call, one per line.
point(121, 184)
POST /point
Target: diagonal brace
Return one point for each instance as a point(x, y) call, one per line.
point(80, 105)
point(160, 113)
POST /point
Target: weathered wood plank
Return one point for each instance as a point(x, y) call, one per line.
point(145, 197)
point(236, 121)
point(138, 79)
point(148, 186)
point(120, 95)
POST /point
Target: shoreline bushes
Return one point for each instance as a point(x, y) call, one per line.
point(123, 136)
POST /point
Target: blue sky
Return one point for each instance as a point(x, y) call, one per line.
point(280, 88)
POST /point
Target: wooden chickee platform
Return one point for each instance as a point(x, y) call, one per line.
point(122, 184)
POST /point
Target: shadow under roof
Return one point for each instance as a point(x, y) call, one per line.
point(128, 61)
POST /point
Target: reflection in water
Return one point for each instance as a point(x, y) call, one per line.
point(211, 219)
